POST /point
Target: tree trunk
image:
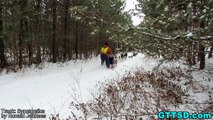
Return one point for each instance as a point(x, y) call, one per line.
point(38, 46)
point(211, 50)
point(76, 42)
point(194, 54)
point(202, 56)
point(20, 43)
point(189, 54)
point(23, 5)
point(30, 53)
point(54, 33)
point(66, 3)
point(29, 43)
point(2, 56)
point(198, 52)
point(82, 33)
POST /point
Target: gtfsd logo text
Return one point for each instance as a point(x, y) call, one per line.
point(183, 115)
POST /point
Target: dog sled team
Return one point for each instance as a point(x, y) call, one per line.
point(111, 59)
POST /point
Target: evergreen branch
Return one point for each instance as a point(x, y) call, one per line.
point(159, 37)
point(203, 38)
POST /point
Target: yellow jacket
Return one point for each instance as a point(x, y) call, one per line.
point(106, 50)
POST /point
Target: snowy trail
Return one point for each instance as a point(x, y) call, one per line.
point(52, 88)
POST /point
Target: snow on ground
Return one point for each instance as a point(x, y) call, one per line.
point(205, 78)
point(56, 85)
point(53, 87)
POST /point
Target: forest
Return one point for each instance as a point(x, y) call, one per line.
point(50, 58)
point(36, 31)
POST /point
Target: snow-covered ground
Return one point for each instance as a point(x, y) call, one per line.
point(56, 85)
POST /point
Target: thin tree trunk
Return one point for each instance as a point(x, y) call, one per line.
point(211, 50)
point(189, 54)
point(38, 46)
point(69, 50)
point(82, 33)
point(198, 52)
point(2, 56)
point(29, 43)
point(202, 56)
point(76, 41)
point(30, 53)
point(202, 48)
point(20, 43)
point(23, 5)
point(54, 33)
point(193, 54)
point(46, 47)
point(70, 42)
point(67, 3)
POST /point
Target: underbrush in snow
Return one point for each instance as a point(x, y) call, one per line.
point(143, 95)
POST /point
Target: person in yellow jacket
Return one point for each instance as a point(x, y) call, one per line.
point(106, 52)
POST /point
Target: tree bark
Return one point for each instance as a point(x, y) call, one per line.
point(29, 44)
point(20, 43)
point(2, 56)
point(76, 41)
point(193, 54)
point(189, 54)
point(38, 46)
point(81, 54)
point(54, 33)
point(202, 56)
point(211, 50)
point(23, 4)
point(66, 3)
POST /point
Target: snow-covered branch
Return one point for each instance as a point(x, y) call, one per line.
point(206, 38)
point(159, 37)
point(203, 38)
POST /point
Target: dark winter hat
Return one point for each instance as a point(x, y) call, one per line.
point(106, 43)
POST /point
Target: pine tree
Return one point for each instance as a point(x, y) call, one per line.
point(174, 28)
point(51, 30)
point(2, 46)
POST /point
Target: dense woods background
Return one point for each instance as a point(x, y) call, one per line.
point(177, 29)
point(34, 31)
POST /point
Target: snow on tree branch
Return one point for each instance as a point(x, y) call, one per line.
point(203, 38)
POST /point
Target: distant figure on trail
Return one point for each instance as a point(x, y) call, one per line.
point(106, 54)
